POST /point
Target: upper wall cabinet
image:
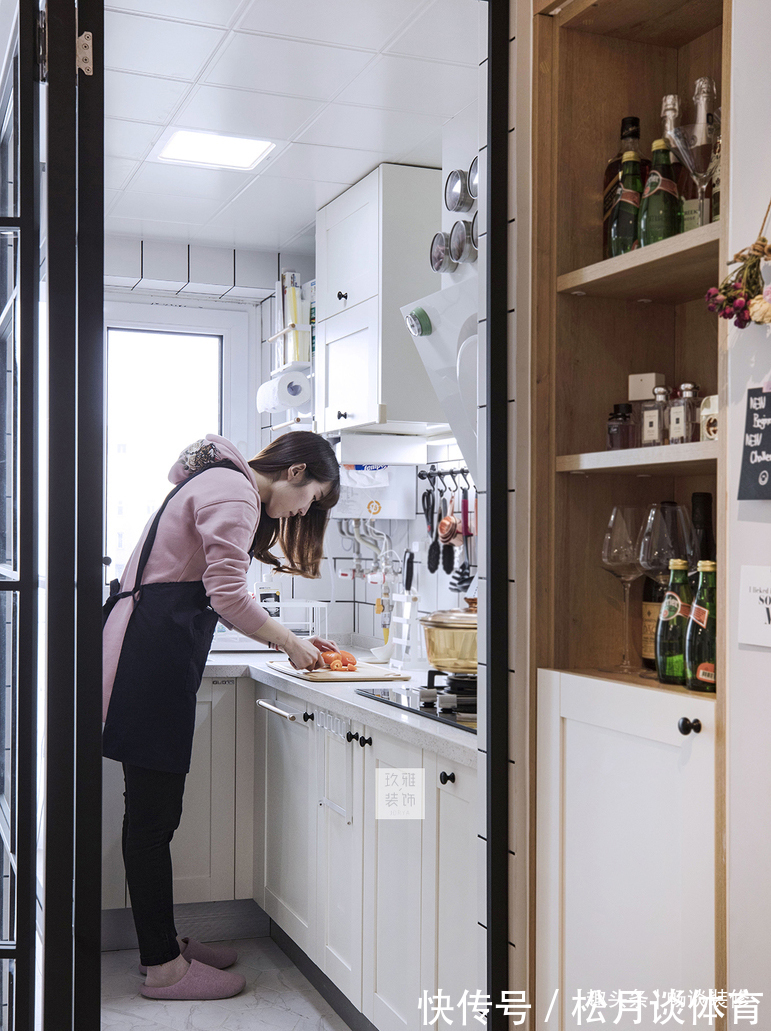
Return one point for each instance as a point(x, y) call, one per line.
point(372, 257)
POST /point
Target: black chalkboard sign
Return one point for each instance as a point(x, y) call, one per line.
point(755, 479)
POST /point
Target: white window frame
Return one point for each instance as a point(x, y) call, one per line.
point(240, 330)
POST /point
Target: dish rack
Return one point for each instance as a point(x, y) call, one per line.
point(304, 618)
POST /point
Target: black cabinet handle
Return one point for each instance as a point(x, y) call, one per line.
point(307, 716)
point(342, 415)
point(352, 737)
point(444, 777)
point(365, 741)
point(685, 726)
point(341, 296)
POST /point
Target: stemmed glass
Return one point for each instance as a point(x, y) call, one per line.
point(620, 549)
point(700, 157)
point(667, 533)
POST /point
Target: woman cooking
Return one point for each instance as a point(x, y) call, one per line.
point(188, 570)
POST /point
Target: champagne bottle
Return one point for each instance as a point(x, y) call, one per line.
point(624, 217)
point(716, 183)
point(673, 621)
point(630, 140)
point(686, 187)
point(653, 595)
point(700, 633)
point(703, 131)
point(704, 538)
point(660, 206)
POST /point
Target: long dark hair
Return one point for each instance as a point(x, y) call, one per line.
point(301, 537)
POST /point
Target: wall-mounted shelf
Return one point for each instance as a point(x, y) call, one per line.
point(673, 459)
point(671, 272)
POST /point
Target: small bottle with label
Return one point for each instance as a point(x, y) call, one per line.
point(684, 416)
point(673, 621)
point(655, 418)
point(620, 428)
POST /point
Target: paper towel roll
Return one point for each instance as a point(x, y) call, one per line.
point(291, 390)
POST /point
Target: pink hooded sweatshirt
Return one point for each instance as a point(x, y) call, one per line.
point(204, 534)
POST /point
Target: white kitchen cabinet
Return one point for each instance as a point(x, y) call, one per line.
point(391, 975)
point(289, 871)
point(625, 841)
point(372, 248)
point(202, 848)
point(449, 950)
point(340, 809)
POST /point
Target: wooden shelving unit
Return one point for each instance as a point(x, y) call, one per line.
point(596, 322)
point(674, 460)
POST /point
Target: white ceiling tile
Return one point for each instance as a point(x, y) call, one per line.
point(393, 132)
point(141, 97)
point(324, 164)
point(410, 84)
point(274, 209)
point(357, 23)
point(128, 139)
point(210, 12)
point(263, 115)
point(448, 30)
point(212, 183)
point(427, 153)
point(110, 198)
point(117, 171)
point(148, 230)
point(137, 44)
point(285, 66)
point(156, 207)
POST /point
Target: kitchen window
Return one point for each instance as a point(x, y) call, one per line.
point(168, 375)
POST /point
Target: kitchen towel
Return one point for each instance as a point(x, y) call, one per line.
point(290, 390)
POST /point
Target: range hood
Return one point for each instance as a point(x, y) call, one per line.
point(447, 344)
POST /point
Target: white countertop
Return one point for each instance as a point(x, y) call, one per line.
point(442, 738)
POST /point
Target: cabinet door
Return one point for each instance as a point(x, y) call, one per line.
point(339, 791)
point(290, 822)
point(348, 384)
point(449, 959)
point(347, 249)
point(391, 985)
point(202, 849)
point(625, 842)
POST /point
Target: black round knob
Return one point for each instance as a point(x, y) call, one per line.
point(106, 560)
point(342, 415)
point(341, 296)
point(685, 726)
point(444, 777)
point(307, 716)
point(352, 737)
point(365, 741)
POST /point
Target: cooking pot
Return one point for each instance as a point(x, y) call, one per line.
point(451, 639)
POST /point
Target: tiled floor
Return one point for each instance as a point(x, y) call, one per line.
point(277, 996)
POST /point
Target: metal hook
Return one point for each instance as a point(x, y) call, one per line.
point(451, 475)
point(443, 488)
point(463, 473)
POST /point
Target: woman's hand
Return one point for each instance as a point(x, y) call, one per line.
point(303, 654)
point(323, 645)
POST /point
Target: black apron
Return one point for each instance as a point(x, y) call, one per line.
point(151, 716)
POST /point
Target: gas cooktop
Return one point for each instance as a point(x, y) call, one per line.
point(423, 700)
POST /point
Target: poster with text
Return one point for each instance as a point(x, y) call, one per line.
point(755, 478)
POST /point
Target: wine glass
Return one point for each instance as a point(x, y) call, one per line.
point(667, 533)
point(620, 549)
point(699, 155)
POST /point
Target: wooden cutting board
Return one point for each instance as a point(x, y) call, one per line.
point(364, 671)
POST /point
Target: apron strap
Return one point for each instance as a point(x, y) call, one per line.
point(147, 547)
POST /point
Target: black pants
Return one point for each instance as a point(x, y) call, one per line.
point(153, 811)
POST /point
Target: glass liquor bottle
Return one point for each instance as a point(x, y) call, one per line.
point(655, 418)
point(704, 547)
point(660, 207)
point(684, 415)
point(702, 142)
point(623, 228)
point(672, 624)
point(686, 187)
point(621, 428)
point(700, 633)
point(653, 595)
point(630, 140)
point(716, 182)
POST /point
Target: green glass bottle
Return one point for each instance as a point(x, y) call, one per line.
point(660, 209)
point(700, 633)
point(623, 230)
point(673, 621)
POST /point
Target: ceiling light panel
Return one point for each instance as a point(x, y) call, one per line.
point(212, 150)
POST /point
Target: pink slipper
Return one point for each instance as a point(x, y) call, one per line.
point(220, 956)
point(200, 982)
